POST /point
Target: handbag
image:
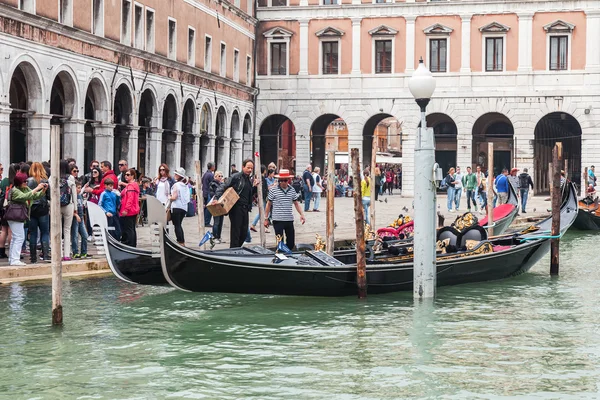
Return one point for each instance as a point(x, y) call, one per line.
point(168, 208)
point(16, 212)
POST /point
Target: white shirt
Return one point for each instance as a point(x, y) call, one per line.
point(162, 191)
point(317, 188)
point(183, 196)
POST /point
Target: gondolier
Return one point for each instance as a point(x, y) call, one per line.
point(281, 199)
point(238, 215)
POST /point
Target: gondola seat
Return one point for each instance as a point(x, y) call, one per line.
point(502, 211)
point(449, 232)
point(475, 232)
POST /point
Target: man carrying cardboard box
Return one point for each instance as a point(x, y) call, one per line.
point(243, 185)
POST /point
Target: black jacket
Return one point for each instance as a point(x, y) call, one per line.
point(242, 184)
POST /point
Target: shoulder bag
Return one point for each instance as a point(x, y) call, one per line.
point(16, 212)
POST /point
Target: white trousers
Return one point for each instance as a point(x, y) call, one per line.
point(67, 219)
point(16, 243)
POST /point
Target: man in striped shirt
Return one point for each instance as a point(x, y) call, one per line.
point(280, 200)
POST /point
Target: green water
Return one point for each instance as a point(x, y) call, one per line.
point(530, 337)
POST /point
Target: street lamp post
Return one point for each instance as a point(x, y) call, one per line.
point(422, 86)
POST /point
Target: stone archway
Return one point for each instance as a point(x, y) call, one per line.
point(320, 131)
point(556, 127)
point(95, 112)
point(146, 121)
point(25, 96)
point(445, 135)
point(247, 136)
point(188, 122)
point(222, 142)
point(236, 141)
point(277, 135)
point(63, 101)
point(206, 150)
point(123, 119)
point(170, 133)
point(498, 129)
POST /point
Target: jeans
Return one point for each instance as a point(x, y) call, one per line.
point(366, 201)
point(177, 216)
point(471, 197)
point(18, 237)
point(43, 223)
point(79, 229)
point(317, 201)
point(307, 196)
point(290, 234)
point(207, 214)
point(450, 198)
point(483, 198)
point(113, 222)
point(457, 195)
point(341, 189)
point(524, 195)
point(217, 227)
point(255, 218)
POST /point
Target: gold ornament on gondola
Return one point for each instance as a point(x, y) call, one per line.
point(464, 221)
point(369, 233)
point(320, 243)
point(530, 229)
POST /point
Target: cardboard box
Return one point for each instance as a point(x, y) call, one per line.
point(225, 203)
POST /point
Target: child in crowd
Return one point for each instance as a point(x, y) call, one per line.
point(110, 203)
point(78, 227)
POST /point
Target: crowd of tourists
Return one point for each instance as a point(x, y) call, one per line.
point(25, 205)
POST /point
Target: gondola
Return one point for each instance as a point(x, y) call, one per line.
point(588, 217)
point(315, 273)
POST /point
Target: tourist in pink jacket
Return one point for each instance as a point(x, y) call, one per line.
point(130, 208)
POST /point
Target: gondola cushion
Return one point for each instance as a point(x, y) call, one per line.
point(448, 232)
point(502, 211)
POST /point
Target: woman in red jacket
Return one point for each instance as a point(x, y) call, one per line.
point(130, 208)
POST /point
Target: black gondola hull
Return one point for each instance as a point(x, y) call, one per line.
point(586, 221)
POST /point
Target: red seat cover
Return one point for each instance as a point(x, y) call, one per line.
point(500, 212)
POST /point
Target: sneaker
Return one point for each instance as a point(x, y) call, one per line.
point(85, 255)
point(76, 256)
point(253, 229)
point(18, 264)
point(469, 210)
point(450, 211)
point(66, 259)
point(218, 241)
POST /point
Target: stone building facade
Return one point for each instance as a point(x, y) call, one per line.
point(522, 75)
point(149, 81)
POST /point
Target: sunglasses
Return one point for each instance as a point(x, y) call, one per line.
point(122, 165)
point(75, 170)
point(128, 174)
point(162, 169)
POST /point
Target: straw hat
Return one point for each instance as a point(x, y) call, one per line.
point(284, 174)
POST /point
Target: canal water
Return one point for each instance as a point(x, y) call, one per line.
point(530, 336)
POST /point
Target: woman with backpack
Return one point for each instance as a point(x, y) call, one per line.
point(68, 205)
point(180, 197)
point(40, 215)
point(5, 186)
point(20, 198)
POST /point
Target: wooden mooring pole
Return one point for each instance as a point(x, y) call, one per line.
point(261, 202)
point(55, 226)
point(373, 180)
point(329, 235)
point(361, 263)
point(490, 189)
point(556, 199)
point(200, 202)
point(585, 180)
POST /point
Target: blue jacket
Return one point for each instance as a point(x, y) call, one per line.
point(109, 202)
point(502, 184)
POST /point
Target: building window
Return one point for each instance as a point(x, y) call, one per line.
point(248, 70)
point(237, 3)
point(559, 50)
point(494, 54)
point(223, 66)
point(98, 18)
point(172, 50)
point(383, 56)
point(278, 58)
point(236, 65)
point(126, 22)
point(437, 55)
point(207, 54)
point(65, 12)
point(380, 1)
point(191, 46)
point(138, 27)
point(149, 30)
point(330, 58)
point(27, 6)
point(330, 2)
point(279, 3)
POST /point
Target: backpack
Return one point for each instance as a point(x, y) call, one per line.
point(65, 192)
point(443, 184)
point(523, 181)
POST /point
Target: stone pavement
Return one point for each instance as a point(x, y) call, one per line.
point(387, 209)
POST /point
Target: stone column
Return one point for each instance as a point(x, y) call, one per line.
point(210, 151)
point(236, 153)
point(303, 46)
point(525, 42)
point(192, 149)
point(465, 65)
point(224, 149)
point(177, 150)
point(5, 136)
point(410, 45)
point(592, 62)
point(153, 152)
point(464, 148)
point(38, 137)
point(74, 140)
point(104, 142)
point(302, 147)
point(133, 140)
point(356, 23)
